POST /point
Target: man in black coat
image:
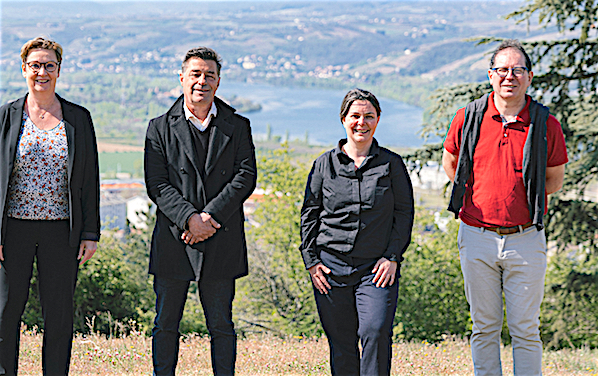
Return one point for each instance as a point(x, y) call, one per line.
point(199, 169)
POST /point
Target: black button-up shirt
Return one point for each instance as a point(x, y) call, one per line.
point(364, 213)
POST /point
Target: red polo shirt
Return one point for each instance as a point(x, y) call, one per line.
point(495, 193)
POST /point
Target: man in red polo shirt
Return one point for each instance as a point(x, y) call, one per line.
point(505, 154)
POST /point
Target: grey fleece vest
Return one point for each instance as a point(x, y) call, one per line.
point(534, 157)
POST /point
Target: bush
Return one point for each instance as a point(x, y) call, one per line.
point(277, 295)
point(570, 308)
point(432, 300)
point(114, 286)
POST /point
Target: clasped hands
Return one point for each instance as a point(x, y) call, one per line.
point(199, 228)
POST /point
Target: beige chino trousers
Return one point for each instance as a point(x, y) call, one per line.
point(515, 265)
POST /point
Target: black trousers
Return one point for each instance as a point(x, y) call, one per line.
point(356, 310)
point(217, 301)
point(57, 267)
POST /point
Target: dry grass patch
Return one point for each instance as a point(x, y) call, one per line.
point(268, 355)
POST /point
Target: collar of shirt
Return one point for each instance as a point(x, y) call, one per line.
point(345, 160)
point(523, 117)
point(201, 125)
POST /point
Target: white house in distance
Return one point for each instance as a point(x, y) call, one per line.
point(136, 206)
point(122, 201)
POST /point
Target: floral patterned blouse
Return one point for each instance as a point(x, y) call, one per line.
point(39, 183)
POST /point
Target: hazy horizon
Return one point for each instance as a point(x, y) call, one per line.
point(233, 1)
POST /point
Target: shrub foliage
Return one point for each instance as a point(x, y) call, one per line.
point(431, 301)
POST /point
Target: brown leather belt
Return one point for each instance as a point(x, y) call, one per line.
point(509, 230)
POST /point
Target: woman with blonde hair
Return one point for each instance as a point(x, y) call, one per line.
point(49, 200)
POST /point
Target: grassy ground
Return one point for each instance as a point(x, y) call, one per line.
point(266, 355)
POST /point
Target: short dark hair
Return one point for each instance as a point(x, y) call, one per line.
point(41, 42)
point(358, 95)
point(203, 53)
point(511, 43)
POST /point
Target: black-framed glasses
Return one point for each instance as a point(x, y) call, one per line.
point(504, 72)
point(49, 66)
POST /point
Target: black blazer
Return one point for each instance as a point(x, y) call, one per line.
point(174, 183)
point(83, 171)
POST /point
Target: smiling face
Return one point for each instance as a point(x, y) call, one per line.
point(200, 81)
point(510, 88)
point(42, 80)
point(361, 122)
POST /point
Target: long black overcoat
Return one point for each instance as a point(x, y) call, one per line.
point(175, 185)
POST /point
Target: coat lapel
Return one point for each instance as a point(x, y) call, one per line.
point(16, 118)
point(69, 120)
point(180, 128)
point(219, 138)
point(12, 134)
point(185, 138)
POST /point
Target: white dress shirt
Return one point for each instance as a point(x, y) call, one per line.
point(201, 125)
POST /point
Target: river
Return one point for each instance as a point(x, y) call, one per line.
point(297, 110)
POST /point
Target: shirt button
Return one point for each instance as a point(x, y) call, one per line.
point(505, 135)
point(223, 172)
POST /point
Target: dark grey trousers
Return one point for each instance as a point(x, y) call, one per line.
point(216, 299)
point(355, 311)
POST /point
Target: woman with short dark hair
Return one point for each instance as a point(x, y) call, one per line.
point(356, 223)
point(49, 200)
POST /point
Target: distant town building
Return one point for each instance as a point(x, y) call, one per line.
point(113, 211)
point(121, 202)
point(430, 177)
point(250, 205)
point(123, 187)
